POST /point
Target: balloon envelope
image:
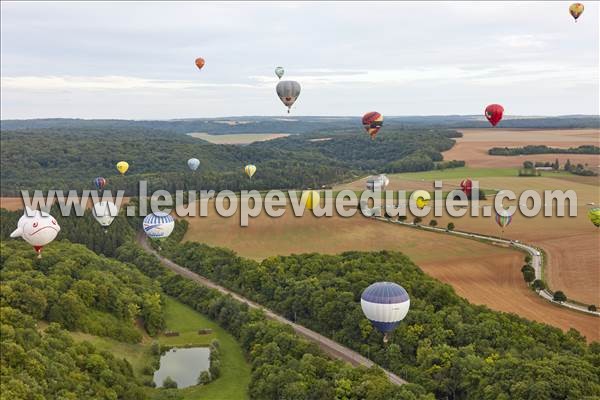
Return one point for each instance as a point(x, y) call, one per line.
point(377, 182)
point(467, 186)
point(250, 170)
point(122, 167)
point(279, 71)
point(105, 212)
point(158, 225)
point(594, 216)
point(99, 182)
point(421, 198)
point(576, 9)
point(385, 304)
point(38, 228)
point(372, 122)
point(503, 218)
point(312, 198)
point(199, 62)
point(494, 113)
point(288, 92)
point(193, 163)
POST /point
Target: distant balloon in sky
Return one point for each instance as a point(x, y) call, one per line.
point(503, 219)
point(199, 62)
point(467, 187)
point(377, 182)
point(279, 71)
point(494, 113)
point(385, 304)
point(100, 182)
point(158, 225)
point(372, 122)
point(105, 212)
point(288, 92)
point(38, 230)
point(312, 198)
point(576, 9)
point(250, 170)
point(594, 216)
point(193, 163)
point(421, 198)
point(122, 167)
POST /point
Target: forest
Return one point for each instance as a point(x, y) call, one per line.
point(446, 347)
point(70, 158)
point(71, 288)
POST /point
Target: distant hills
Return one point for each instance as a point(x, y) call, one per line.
point(303, 124)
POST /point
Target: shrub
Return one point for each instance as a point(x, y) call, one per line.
point(155, 348)
point(592, 307)
point(204, 378)
point(417, 220)
point(433, 222)
point(169, 383)
point(450, 226)
point(538, 284)
point(148, 370)
point(559, 296)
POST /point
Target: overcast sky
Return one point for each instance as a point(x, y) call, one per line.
point(136, 60)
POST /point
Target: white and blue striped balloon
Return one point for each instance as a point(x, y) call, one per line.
point(385, 304)
point(158, 225)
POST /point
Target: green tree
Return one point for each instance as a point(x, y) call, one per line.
point(204, 378)
point(450, 226)
point(169, 383)
point(433, 222)
point(559, 296)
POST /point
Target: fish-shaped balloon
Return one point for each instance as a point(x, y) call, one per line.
point(38, 228)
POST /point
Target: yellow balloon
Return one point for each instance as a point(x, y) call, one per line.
point(250, 170)
point(576, 9)
point(594, 216)
point(421, 198)
point(312, 198)
point(122, 167)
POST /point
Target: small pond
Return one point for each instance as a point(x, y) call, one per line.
point(183, 366)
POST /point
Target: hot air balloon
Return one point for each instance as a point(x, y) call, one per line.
point(122, 167)
point(503, 219)
point(193, 163)
point(576, 9)
point(385, 304)
point(421, 198)
point(467, 187)
point(105, 212)
point(372, 122)
point(279, 71)
point(100, 183)
point(250, 170)
point(38, 229)
point(199, 62)
point(594, 216)
point(377, 183)
point(158, 225)
point(312, 198)
point(494, 113)
point(288, 92)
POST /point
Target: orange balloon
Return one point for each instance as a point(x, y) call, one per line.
point(199, 62)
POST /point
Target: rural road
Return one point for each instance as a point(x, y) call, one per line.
point(327, 345)
point(536, 258)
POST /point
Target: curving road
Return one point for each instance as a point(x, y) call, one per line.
point(536, 258)
point(333, 349)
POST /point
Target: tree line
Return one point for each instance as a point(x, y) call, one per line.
point(542, 149)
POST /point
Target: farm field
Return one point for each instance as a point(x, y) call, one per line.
point(238, 138)
point(481, 273)
point(474, 145)
point(235, 372)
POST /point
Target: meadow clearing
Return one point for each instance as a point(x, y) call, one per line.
point(238, 138)
point(235, 371)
